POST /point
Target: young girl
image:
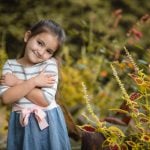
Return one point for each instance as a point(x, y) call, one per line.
point(29, 84)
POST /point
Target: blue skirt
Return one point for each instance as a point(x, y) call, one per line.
point(30, 137)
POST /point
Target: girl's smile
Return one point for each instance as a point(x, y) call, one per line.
point(36, 54)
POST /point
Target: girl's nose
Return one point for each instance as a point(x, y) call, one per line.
point(41, 52)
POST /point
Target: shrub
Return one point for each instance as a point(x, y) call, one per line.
point(136, 107)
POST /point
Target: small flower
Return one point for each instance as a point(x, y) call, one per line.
point(120, 83)
point(137, 34)
point(145, 18)
point(131, 59)
point(103, 73)
point(117, 12)
point(118, 16)
point(87, 100)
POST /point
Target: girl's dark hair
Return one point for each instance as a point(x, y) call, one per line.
point(48, 26)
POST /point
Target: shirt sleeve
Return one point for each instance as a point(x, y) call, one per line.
point(6, 69)
point(50, 92)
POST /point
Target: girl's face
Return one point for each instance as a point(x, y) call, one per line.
point(39, 48)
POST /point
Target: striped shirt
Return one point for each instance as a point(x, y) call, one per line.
point(25, 73)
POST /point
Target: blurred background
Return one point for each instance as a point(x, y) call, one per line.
point(97, 31)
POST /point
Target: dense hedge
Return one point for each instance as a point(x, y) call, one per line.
point(96, 31)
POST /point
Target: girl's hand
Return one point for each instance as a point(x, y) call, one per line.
point(9, 79)
point(44, 80)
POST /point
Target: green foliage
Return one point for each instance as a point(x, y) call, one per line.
point(96, 32)
point(137, 134)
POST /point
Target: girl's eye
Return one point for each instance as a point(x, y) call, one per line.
point(50, 51)
point(40, 43)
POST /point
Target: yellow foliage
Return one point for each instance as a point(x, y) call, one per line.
point(3, 57)
point(114, 131)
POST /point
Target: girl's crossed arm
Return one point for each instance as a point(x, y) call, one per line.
point(29, 88)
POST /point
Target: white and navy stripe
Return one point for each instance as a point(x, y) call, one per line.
point(25, 73)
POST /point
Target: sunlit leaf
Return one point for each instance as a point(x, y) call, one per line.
point(88, 128)
point(141, 129)
point(131, 143)
point(145, 138)
point(145, 107)
point(114, 120)
point(142, 61)
point(124, 147)
point(119, 110)
point(116, 131)
point(144, 119)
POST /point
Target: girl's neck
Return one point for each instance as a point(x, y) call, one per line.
point(24, 62)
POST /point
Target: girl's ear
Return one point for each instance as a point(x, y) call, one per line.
point(27, 36)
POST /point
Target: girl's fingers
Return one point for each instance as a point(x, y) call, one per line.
point(50, 75)
point(52, 79)
point(52, 82)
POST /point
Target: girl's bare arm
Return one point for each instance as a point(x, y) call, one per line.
point(29, 89)
point(36, 95)
point(16, 92)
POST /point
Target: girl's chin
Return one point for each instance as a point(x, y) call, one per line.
point(36, 61)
